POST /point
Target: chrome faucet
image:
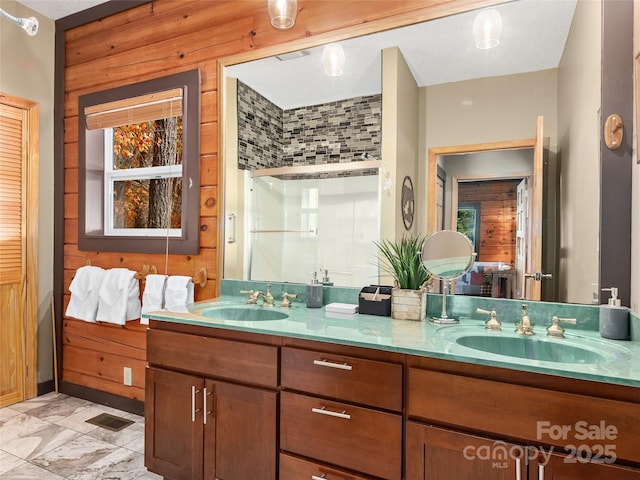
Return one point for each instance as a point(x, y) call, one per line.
point(555, 330)
point(252, 299)
point(492, 324)
point(524, 326)
point(267, 298)
point(285, 299)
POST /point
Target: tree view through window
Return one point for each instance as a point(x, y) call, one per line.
point(145, 175)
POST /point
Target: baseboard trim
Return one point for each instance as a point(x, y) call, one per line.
point(103, 398)
point(46, 387)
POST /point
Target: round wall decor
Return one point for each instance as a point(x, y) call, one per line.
point(407, 202)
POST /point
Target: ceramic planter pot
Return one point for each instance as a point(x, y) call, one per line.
point(408, 304)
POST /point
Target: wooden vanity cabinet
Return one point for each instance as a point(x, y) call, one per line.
point(563, 467)
point(206, 425)
point(460, 424)
point(340, 410)
point(438, 453)
point(226, 405)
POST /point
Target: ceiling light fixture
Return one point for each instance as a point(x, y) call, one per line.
point(283, 13)
point(487, 28)
point(29, 25)
point(333, 60)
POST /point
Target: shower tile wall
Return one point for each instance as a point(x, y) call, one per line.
point(329, 133)
point(259, 130)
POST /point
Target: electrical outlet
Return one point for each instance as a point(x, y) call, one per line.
point(128, 380)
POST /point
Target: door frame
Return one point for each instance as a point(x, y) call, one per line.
point(536, 144)
point(435, 152)
point(30, 208)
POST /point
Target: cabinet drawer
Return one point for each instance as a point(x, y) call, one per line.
point(353, 379)
point(356, 438)
point(527, 413)
point(294, 468)
point(214, 357)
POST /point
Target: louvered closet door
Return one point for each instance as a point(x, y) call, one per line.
point(13, 152)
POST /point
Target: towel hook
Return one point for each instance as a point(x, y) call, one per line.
point(200, 278)
point(146, 270)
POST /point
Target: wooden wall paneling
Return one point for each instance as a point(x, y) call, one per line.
point(165, 20)
point(208, 232)
point(71, 230)
point(208, 78)
point(71, 155)
point(209, 170)
point(71, 180)
point(103, 385)
point(71, 204)
point(209, 75)
point(209, 138)
point(71, 129)
point(97, 343)
point(209, 201)
point(209, 106)
point(168, 56)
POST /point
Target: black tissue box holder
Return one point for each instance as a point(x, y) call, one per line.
point(380, 306)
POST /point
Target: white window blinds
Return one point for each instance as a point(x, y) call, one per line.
point(133, 110)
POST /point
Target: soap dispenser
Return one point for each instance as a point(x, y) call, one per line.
point(614, 318)
point(325, 279)
point(314, 293)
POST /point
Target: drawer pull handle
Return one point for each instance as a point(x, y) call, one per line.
point(323, 411)
point(326, 363)
point(315, 477)
point(518, 473)
point(194, 410)
point(540, 472)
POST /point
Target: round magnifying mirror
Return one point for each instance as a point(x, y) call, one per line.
point(447, 255)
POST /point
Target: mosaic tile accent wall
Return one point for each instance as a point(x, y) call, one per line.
point(259, 130)
point(329, 133)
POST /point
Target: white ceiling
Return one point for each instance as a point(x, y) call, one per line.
point(440, 51)
point(56, 9)
point(534, 34)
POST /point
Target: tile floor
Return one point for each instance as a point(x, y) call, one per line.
point(47, 438)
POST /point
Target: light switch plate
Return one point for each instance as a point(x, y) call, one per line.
point(128, 380)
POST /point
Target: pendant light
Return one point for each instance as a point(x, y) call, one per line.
point(283, 13)
point(333, 60)
point(487, 28)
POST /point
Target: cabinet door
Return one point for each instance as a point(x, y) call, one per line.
point(433, 452)
point(575, 467)
point(240, 432)
point(173, 424)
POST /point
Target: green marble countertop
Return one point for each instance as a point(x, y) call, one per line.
point(619, 362)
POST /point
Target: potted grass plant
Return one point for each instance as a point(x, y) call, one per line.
point(402, 261)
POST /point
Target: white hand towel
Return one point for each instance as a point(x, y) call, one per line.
point(179, 293)
point(153, 295)
point(119, 297)
point(84, 289)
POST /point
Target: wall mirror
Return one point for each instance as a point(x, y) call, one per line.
point(478, 98)
point(139, 164)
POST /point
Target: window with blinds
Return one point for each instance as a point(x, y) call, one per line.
point(139, 166)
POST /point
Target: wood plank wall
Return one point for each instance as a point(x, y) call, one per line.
point(497, 201)
point(158, 39)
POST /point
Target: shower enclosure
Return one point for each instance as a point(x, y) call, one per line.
point(300, 221)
